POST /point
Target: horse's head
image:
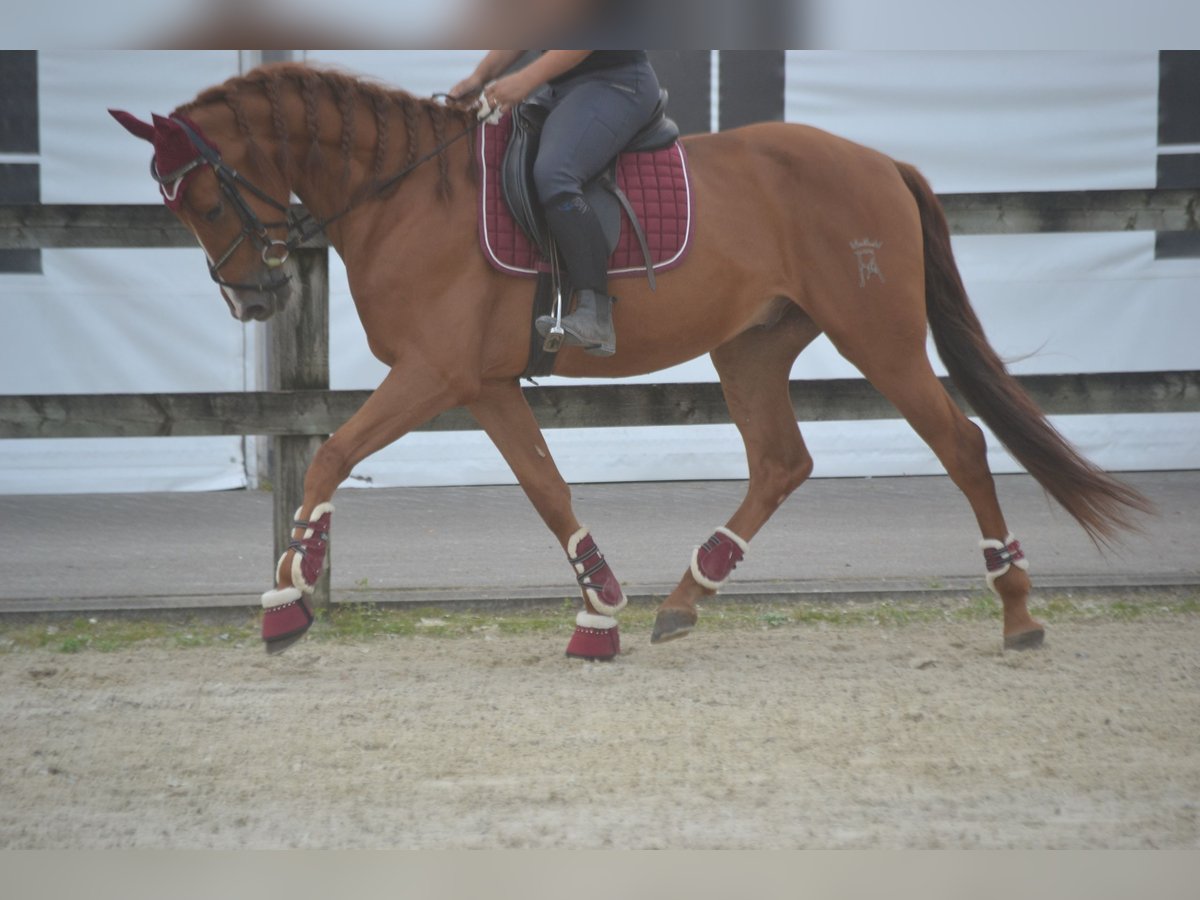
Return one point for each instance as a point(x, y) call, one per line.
point(225, 211)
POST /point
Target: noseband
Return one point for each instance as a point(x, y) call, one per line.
point(301, 226)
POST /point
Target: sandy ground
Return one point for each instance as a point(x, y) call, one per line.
point(801, 736)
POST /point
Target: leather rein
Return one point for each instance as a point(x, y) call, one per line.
point(301, 227)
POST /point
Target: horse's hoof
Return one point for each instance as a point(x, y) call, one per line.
point(596, 638)
point(284, 623)
point(671, 624)
point(277, 646)
point(1025, 640)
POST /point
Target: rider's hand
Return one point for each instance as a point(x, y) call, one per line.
point(507, 92)
point(467, 90)
point(496, 62)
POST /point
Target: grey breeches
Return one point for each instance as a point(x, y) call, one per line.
point(592, 118)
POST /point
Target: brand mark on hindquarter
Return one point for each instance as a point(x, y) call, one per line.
point(868, 265)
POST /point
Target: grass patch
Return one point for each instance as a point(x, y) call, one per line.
point(107, 635)
point(360, 622)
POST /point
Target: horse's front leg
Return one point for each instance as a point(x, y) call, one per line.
point(502, 412)
point(406, 398)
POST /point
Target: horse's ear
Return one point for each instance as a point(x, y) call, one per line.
point(168, 126)
point(133, 124)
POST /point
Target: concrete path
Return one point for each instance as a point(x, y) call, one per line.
point(474, 544)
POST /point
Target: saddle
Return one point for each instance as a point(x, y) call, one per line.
point(603, 193)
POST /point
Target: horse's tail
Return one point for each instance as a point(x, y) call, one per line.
point(1099, 503)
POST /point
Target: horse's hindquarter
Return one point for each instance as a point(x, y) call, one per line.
point(782, 211)
point(800, 197)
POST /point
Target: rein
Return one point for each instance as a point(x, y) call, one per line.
point(301, 228)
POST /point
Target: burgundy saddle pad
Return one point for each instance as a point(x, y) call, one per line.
point(657, 183)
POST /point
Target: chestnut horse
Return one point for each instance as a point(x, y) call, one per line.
point(799, 233)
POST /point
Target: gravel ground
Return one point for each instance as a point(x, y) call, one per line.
point(898, 736)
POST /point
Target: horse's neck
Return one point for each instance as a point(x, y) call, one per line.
point(348, 184)
point(306, 148)
point(324, 190)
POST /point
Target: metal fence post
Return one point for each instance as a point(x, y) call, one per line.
point(298, 348)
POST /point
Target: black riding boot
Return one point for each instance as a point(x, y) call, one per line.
point(590, 326)
point(580, 239)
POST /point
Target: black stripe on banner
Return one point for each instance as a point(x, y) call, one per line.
point(751, 87)
point(1178, 123)
point(1179, 97)
point(687, 75)
point(1178, 170)
point(20, 183)
point(18, 101)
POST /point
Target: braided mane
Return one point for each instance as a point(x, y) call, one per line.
point(388, 107)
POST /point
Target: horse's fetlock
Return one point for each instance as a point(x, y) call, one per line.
point(1013, 586)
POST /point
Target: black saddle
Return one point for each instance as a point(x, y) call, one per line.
point(602, 192)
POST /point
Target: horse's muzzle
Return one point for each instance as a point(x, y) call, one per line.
point(258, 305)
point(254, 312)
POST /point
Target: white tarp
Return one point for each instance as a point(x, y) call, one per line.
point(116, 321)
point(135, 321)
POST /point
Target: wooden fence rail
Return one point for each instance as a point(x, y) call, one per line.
point(99, 225)
point(299, 410)
point(318, 412)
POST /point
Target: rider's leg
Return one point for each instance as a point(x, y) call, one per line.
point(592, 120)
point(581, 243)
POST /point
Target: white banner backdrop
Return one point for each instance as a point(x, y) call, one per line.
point(138, 321)
point(116, 321)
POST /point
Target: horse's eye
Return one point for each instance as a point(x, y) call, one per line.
point(215, 213)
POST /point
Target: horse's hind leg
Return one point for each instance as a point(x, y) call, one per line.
point(903, 374)
point(754, 369)
point(502, 412)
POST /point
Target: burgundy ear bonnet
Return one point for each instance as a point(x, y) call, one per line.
point(173, 151)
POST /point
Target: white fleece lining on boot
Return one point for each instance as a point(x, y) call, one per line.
point(297, 559)
point(586, 619)
point(592, 597)
point(993, 544)
point(272, 599)
point(703, 580)
point(573, 545)
point(279, 565)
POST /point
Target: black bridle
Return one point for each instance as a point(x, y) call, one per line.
point(301, 226)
